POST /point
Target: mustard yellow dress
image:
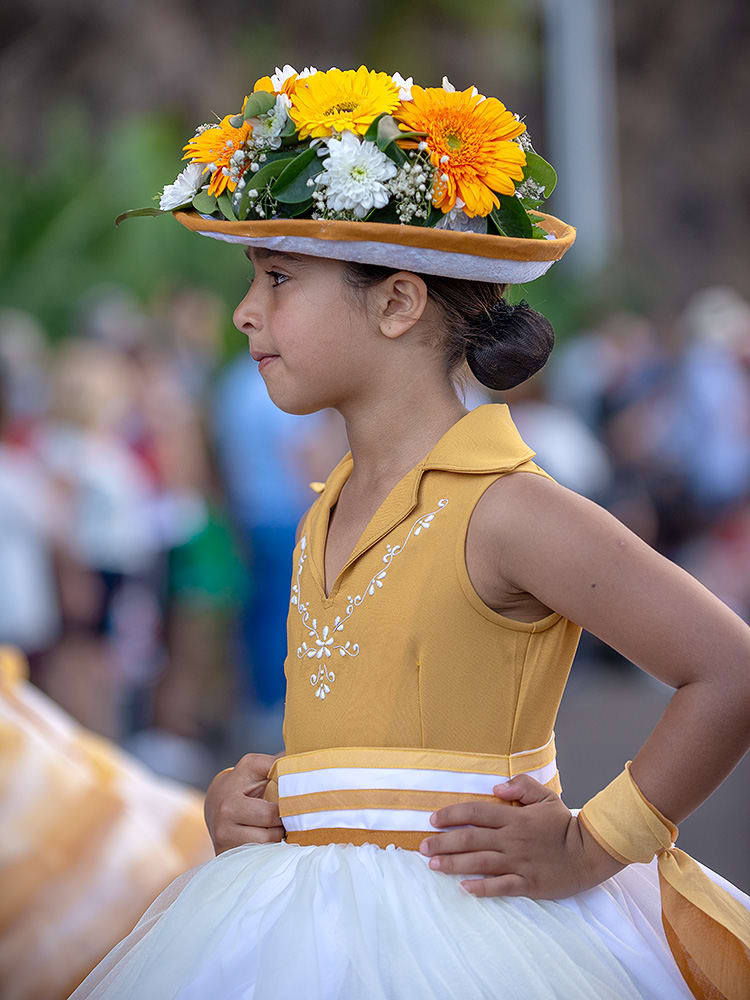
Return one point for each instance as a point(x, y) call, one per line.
point(405, 692)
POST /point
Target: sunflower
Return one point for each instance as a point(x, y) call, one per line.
point(215, 147)
point(341, 100)
point(469, 140)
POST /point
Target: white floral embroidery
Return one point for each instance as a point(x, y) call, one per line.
point(324, 644)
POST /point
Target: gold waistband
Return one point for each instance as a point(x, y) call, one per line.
point(385, 795)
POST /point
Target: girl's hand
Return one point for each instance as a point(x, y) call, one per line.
point(235, 810)
point(540, 851)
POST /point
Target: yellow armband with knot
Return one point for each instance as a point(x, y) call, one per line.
point(708, 930)
point(622, 820)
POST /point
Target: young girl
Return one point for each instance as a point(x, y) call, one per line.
point(440, 583)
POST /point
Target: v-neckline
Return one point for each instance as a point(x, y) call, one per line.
point(484, 439)
point(326, 524)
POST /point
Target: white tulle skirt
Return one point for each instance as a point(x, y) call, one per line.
point(360, 922)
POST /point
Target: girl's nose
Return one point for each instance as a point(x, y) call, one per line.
point(246, 316)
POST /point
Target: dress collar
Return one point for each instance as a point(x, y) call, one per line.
point(483, 440)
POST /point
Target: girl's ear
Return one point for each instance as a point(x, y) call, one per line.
point(401, 300)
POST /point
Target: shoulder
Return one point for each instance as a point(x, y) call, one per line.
point(524, 519)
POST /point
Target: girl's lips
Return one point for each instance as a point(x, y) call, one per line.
point(266, 360)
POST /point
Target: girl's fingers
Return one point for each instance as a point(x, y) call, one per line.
point(238, 836)
point(252, 812)
point(472, 838)
point(501, 885)
point(524, 789)
point(493, 813)
point(475, 863)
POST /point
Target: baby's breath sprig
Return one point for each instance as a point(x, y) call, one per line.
point(413, 185)
point(261, 204)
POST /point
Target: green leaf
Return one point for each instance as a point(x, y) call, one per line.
point(540, 171)
point(298, 209)
point(133, 212)
point(436, 214)
point(511, 217)
point(291, 184)
point(224, 202)
point(387, 214)
point(388, 131)
point(395, 153)
point(537, 230)
point(205, 203)
point(258, 104)
point(372, 132)
point(493, 224)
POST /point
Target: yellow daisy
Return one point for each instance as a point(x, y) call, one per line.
point(341, 99)
point(214, 147)
point(470, 145)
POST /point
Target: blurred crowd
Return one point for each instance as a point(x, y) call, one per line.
point(150, 491)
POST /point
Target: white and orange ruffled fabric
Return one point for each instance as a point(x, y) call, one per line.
point(89, 838)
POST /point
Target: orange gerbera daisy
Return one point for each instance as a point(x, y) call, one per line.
point(341, 100)
point(469, 140)
point(215, 147)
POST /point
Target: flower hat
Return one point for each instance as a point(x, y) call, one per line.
point(366, 166)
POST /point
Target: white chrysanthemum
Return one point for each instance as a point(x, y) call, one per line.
point(458, 220)
point(280, 77)
point(267, 128)
point(447, 85)
point(404, 85)
point(355, 173)
point(184, 189)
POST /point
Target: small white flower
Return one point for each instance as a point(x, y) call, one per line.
point(447, 85)
point(355, 173)
point(184, 189)
point(280, 77)
point(404, 85)
point(267, 128)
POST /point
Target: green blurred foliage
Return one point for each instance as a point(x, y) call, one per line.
point(57, 232)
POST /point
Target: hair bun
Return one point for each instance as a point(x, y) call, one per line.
point(510, 344)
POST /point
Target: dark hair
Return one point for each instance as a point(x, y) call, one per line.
point(502, 344)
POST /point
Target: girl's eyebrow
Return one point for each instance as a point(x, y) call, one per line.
point(261, 253)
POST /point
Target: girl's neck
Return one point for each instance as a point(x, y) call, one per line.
point(390, 439)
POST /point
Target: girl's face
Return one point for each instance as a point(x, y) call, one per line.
point(299, 309)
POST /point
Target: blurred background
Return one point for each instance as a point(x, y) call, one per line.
point(149, 489)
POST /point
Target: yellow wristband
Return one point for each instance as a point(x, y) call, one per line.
point(625, 823)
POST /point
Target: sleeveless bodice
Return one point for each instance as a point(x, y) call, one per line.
point(403, 654)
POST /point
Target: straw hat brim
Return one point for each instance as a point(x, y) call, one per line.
point(473, 256)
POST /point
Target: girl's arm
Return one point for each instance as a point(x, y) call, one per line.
point(581, 561)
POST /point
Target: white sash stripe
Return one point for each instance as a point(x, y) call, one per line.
point(330, 779)
point(364, 819)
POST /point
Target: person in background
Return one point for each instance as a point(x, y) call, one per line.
point(266, 459)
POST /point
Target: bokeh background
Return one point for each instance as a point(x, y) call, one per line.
point(149, 490)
